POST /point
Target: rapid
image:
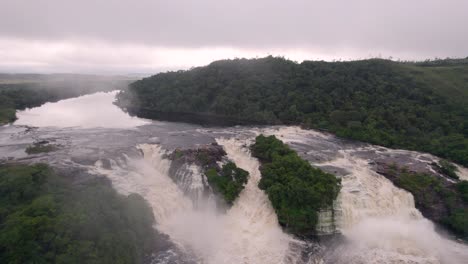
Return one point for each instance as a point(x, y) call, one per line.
point(373, 220)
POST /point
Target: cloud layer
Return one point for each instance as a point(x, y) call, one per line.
point(148, 34)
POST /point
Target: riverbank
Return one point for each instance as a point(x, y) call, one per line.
point(69, 216)
point(21, 91)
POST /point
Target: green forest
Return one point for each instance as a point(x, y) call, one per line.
point(21, 96)
point(412, 105)
point(296, 190)
point(48, 218)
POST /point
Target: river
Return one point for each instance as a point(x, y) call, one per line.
point(377, 221)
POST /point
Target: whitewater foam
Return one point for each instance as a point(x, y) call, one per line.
point(248, 232)
point(379, 221)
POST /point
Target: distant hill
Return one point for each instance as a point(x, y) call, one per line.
point(413, 105)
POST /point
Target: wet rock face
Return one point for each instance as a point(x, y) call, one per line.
point(188, 169)
point(401, 161)
point(435, 196)
point(204, 156)
point(205, 171)
point(393, 171)
point(437, 209)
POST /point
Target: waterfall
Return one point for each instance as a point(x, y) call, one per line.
point(253, 227)
point(367, 194)
point(248, 232)
point(379, 221)
point(148, 177)
point(193, 183)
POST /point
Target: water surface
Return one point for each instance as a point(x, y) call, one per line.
point(378, 220)
point(93, 110)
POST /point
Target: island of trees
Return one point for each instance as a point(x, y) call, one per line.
point(296, 190)
point(226, 180)
point(229, 181)
point(418, 106)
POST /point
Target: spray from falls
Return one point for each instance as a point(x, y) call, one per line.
point(190, 179)
point(367, 194)
point(382, 223)
point(248, 232)
point(148, 177)
point(378, 220)
point(251, 222)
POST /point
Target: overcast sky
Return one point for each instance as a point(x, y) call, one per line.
point(146, 36)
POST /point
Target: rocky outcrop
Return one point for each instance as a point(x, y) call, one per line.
point(430, 203)
point(188, 169)
point(204, 171)
point(438, 198)
point(204, 156)
point(43, 146)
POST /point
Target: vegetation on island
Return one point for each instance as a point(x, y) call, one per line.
point(428, 189)
point(296, 190)
point(442, 201)
point(417, 106)
point(41, 147)
point(446, 168)
point(229, 181)
point(47, 218)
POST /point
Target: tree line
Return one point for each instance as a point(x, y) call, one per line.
point(416, 106)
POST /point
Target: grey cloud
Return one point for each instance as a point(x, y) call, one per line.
point(436, 27)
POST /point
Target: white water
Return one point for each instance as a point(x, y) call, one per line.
point(367, 194)
point(380, 220)
point(462, 173)
point(246, 233)
point(251, 222)
point(148, 177)
point(189, 178)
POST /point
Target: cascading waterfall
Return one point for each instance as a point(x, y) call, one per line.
point(192, 182)
point(367, 194)
point(252, 223)
point(378, 220)
point(382, 224)
point(148, 177)
point(462, 173)
point(248, 232)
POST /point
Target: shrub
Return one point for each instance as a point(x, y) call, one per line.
point(229, 182)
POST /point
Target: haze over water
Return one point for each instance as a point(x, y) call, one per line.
point(87, 111)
